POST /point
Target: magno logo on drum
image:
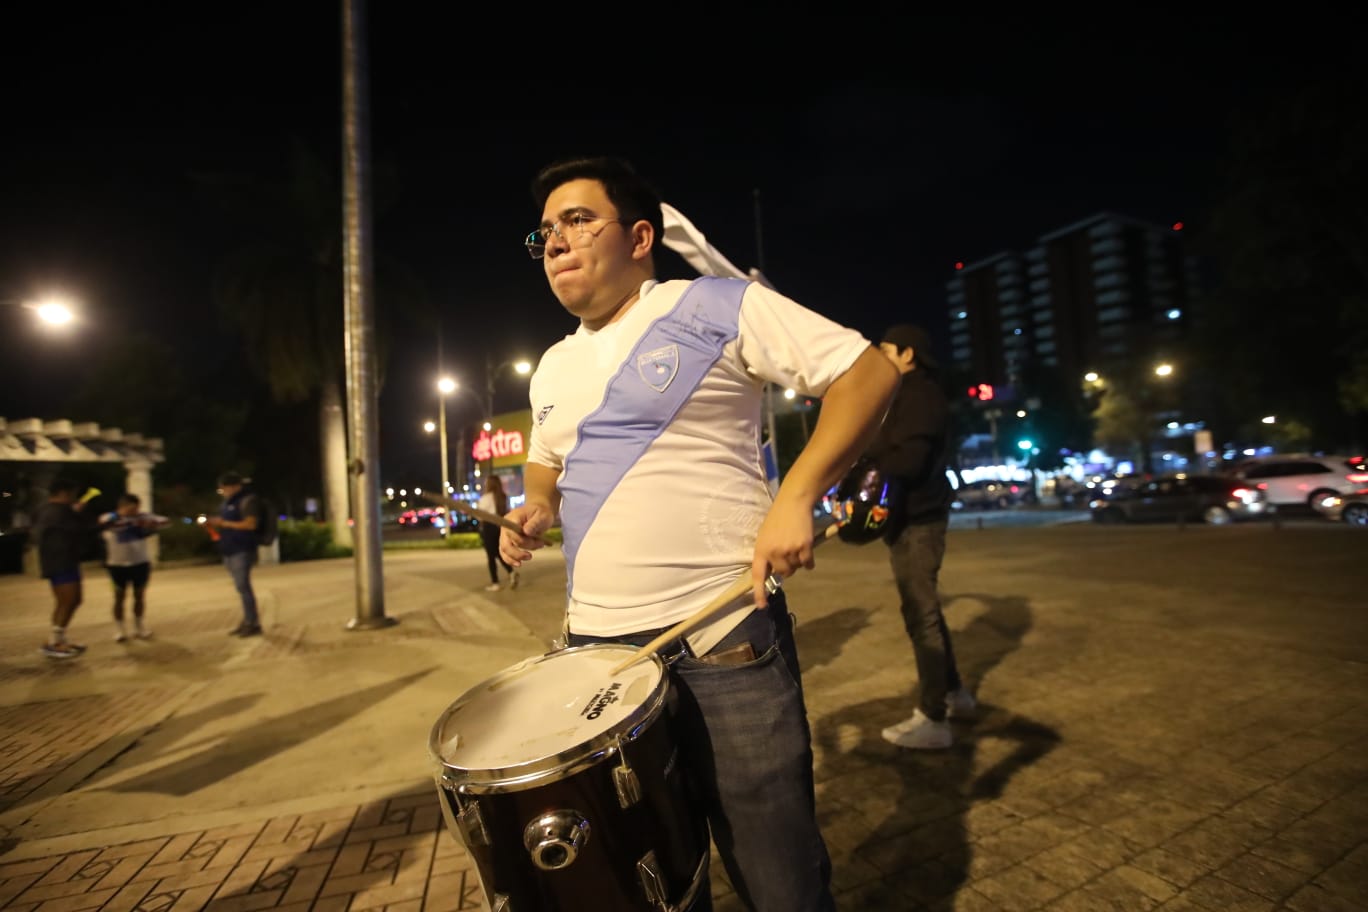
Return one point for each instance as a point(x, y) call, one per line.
point(601, 700)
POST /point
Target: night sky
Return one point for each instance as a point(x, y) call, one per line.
point(882, 150)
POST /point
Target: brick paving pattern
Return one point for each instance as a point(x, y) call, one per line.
point(1152, 742)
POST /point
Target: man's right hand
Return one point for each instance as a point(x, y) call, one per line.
point(534, 519)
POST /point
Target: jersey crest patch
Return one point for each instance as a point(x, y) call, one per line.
point(542, 413)
point(657, 368)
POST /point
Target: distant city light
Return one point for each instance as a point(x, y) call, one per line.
point(1177, 226)
point(1091, 376)
point(1173, 425)
point(1021, 413)
point(959, 264)
point(1163, 370)
point(429, 426)
point(1174, 314)
point(961, 315)
point(446, 385)
point(1270, 419)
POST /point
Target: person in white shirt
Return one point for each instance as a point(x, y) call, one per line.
point(129, 561)
point(495, 501)
point(646, 443)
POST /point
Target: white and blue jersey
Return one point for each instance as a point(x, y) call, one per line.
point(653, 423)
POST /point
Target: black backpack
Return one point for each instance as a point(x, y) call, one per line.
point(268, 520)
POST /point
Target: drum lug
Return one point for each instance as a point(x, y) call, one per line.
point(501, 903)
point(626, 781)
point(652, 881)
point(472, 823)
point(554, 840)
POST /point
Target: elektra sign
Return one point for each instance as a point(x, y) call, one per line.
point(501, 443)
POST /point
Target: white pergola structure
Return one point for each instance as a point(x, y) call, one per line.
point(35, 440)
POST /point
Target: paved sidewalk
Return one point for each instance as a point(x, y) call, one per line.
point(1170, 720)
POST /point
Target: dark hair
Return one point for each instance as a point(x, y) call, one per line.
point(228, 479)
point(634, 198)
point(64, 486)
point(132, 499)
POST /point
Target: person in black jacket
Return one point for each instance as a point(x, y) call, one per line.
point(911, 451)
point(59, 533)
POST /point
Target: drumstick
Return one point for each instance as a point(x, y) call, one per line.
point(730, 594)
point(483, 516)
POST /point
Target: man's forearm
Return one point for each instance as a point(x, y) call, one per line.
point(539, 487)
point(851, 413)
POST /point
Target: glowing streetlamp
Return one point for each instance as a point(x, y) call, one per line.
point(520, 367)
point(1163, 370)
point(445, 386)
point(53, 311)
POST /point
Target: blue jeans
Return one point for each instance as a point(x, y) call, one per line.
point(240, 569)
point(916, 556)
point(744, 739)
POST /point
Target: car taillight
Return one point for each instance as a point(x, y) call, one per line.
point(1357, 477)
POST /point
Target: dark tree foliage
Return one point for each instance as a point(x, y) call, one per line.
point(1285, 330)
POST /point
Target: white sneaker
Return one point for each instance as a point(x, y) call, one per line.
point(920, 732)
point(121, 636)
point(960, 704)
point(493, 587)
point(514, 580)
point(143, 633)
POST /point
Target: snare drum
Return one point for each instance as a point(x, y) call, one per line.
point(564, 782)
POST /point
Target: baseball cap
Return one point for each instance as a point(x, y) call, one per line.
point(910, 335)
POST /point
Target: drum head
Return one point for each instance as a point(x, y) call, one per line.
point(546, 713)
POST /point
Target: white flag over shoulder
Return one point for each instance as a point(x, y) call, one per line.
point(685, 239)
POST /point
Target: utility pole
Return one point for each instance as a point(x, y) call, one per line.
point(769, 387)
point(359, 317)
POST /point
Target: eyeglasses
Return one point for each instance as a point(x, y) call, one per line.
point(572, 228)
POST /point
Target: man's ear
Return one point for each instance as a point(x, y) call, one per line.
point(643, 238)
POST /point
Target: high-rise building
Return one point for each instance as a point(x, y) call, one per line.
point(1092, 296)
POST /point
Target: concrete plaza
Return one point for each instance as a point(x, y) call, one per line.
point(1170, 719)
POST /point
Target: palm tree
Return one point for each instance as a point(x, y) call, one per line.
point(282, 289)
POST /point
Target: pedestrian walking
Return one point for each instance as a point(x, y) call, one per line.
point(495, 501)
point(911, 451)
point(60, 532)
point(646, 443)
point(236, 526)
point(128, 560)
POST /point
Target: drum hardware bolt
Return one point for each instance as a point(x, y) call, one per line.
point(554, 840)
point(501, 903)
point(625, 779)
point(652, 881)
point(472, 824)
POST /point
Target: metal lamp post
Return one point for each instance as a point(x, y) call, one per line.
point(444, 386)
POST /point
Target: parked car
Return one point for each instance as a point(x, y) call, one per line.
point(1348, 508)
point(1301, 480)
point(993, 495)
point(1215, 499)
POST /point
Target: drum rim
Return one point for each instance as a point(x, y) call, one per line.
point(555, 766)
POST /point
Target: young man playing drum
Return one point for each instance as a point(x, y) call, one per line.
point(646, 442)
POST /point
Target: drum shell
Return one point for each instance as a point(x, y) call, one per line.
point(604, 875)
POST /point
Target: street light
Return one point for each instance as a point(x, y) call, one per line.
point(53, 310)
point(445, 386)
point(521, 367)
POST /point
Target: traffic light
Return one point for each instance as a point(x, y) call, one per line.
point(983, 392)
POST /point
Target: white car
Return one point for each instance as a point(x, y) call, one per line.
point(1302, 480)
